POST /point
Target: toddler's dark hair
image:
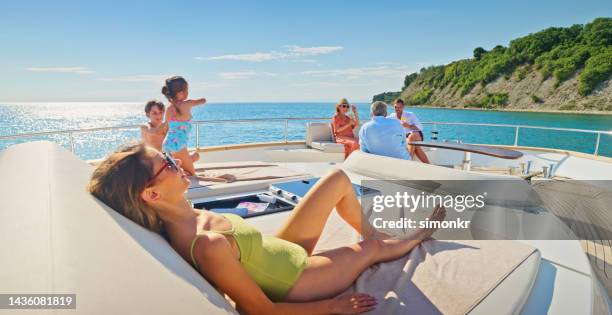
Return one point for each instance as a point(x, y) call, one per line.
point(174, 85)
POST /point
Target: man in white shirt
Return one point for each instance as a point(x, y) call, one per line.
point(414, 129)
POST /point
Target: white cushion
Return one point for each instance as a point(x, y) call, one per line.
point(57, 238)
point(319, 136)
point(328, 146)
point(318, 131)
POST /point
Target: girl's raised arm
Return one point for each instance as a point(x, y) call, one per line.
point(196, 102)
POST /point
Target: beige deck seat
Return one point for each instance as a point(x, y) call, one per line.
point(319, 136)
point(56, 238)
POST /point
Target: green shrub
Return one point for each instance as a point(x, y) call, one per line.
point(420, 97)
point(521, 73)
point(490, 100)
point(409, 79)
point(597, 69)
point(386, 97)
point(568, 106)
point(478, 52)
point(535, 99)
point(495, 99)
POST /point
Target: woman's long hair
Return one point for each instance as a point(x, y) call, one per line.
point(119, 181)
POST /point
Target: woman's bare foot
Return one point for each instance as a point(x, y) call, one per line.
point(379, 235)
point(438, 214)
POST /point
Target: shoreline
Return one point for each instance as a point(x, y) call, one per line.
point(524, 110)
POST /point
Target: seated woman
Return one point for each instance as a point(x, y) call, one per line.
point(262, 274)
point(343, 125)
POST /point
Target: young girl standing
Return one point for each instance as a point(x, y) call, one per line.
point(178, 117)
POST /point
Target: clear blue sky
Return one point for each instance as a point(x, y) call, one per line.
point(251, 51)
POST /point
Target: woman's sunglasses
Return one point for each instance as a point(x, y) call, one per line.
point(169, 163)
point(344, 106)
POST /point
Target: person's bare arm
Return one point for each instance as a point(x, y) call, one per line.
point(349, 125)
point(144, 133)
point(354, 109)
point(167, 115)
point(186, 105)
point(164, 128)
point(336, 124)
point(225, 272)
point(191, 103)
point(406, 125)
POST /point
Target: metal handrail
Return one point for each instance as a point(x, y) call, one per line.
point(517, 126)
point(286, 120)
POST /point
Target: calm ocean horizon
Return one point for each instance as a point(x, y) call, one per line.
point(18, 118)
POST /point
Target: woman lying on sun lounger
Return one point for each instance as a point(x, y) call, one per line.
point(263, 275)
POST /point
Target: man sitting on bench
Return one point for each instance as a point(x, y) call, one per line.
point(383, 136)
point(414, 129)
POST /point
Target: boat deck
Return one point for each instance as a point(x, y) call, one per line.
point(571, 199)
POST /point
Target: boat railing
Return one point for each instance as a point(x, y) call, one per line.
point(197, 123)
point(517, 128)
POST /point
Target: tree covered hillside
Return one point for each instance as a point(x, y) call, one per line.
point(556, 54)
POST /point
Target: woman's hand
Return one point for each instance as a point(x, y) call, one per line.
point(354, 108)
point(353, 303)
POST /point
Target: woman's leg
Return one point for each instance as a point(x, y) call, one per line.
point(187, 162)
point(308, 219)
point(350, 144)
point(329, 273)
point(354, 146)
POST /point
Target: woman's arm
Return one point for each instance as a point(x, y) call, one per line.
point(344, 127)
point(219, 266)
point(338, 127)
point(354, 109)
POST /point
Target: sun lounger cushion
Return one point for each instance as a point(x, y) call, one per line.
point(319, 131)
point(57, 238)
point(328, 146)
point(449, 277)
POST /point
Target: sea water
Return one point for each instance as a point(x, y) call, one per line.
point(36, 117)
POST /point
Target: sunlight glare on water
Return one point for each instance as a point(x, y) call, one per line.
point(18, 118)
